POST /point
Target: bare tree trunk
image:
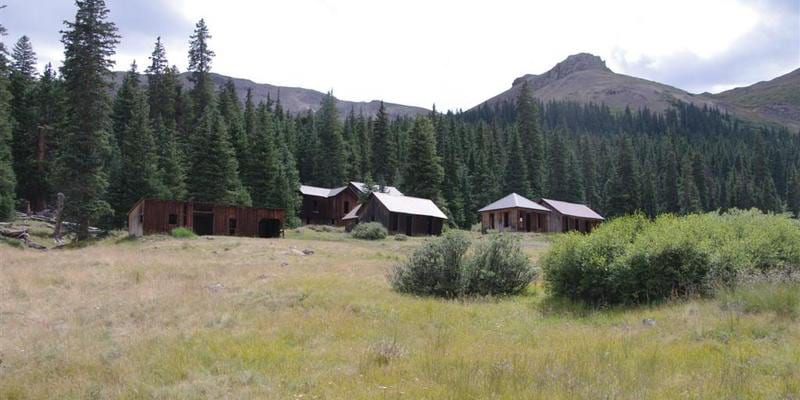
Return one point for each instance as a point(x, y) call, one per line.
point(59, 217)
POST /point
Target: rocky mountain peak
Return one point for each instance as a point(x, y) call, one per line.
point(574, 63)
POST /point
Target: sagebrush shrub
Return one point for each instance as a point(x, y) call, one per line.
point(435, 268)
point(498, 266)
point(369, 231)
point(442, 267)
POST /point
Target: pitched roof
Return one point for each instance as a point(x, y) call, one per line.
point(573, 209)
point(353, 214)
point(514, 201)
point(409, 205)
point(320, 192)
point(391, 190)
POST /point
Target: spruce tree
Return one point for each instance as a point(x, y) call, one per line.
point(214, 176)
point(689, 195)
point(700, 181)
point(137, 174)
point(623, 186)
point(766, 195)
point(332, 158)
point(527, 122)
point(200, 58)
point(23, 111)
point(48, 96)
point(264, 169)
point(557, 167)
point(7, 179)
point(515, 178)
point(384, 156)
point(89, 43)
point(424, 173)
point(575, 179)
point(231, 110)
point(793, 192)
point(589, 169)
point(670, 197)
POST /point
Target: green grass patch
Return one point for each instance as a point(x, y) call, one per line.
point(182, 233)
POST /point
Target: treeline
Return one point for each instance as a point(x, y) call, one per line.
point(68, 132)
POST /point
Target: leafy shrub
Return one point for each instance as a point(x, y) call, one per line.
point(400, 237)
point(498, 267)
point(370, 231)
point(634, 260)
point(435, 268)
point(182, 233)
point(442, 267)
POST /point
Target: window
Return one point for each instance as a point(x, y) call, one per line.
point(232, 226)
point(346, 207)
point(173, 219)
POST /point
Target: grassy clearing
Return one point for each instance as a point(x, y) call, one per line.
point(247, 318)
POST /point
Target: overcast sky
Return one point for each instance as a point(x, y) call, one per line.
point(455, 53)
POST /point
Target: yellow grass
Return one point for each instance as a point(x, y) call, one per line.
point(248, 318)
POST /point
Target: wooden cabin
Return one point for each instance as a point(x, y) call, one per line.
point(152, 216)
point(324, 206)
point(571, 216)
point(515, 213)
point(411, 216)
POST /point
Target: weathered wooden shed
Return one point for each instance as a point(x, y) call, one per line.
point(153, 216)
point(324, 206)
point(411, 216)
point(571, 216)
point(515, 213)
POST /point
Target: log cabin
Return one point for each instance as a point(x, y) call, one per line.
point(153, 216)
point(514, 213)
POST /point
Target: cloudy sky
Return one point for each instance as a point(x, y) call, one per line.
point(455, 53)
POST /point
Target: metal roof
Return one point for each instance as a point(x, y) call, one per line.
point(320, 192)
point(573, 209)
point(353, 214)
point(391, 190)
point(514, 201)
point(409, 205)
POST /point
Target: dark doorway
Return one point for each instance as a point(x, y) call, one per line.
point(409, 221)
point(527, 222)
point(430, 225)
point(269, 228)
point(203, 223)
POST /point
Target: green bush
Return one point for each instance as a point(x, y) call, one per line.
point(435, 268)
point(400, 237)
point(182, 233)
point(369, 231)
point(498, 267)
point(441, 267)
point(633, 260)
point(776, 293)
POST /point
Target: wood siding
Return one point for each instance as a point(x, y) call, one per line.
point(328, 211)
point(518, 220)
point(150, 216)
point(563, 223)
point(399, 223)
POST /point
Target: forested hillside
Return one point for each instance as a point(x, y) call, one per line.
point(160, 137)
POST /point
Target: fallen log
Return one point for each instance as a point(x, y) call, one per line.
point(23, 236)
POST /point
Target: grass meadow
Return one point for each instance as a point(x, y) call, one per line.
point(221, 317)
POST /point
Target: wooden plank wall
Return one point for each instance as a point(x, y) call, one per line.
point(156, 213)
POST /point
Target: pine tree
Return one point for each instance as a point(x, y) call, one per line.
point(384, 159)
point(364, 143)
point(137, 174)
point(699, 177)
point(200, 57)
point(214, 176)
point(48, 96)
point(528, 126)
point(231, 110)
point(332, 168)
point(424, 173)
point(574, 179)
point(648, 190)
point(483, 183)
point(589, 169)
point(23, 111)
point(515, 178)
point(89, 43)
point(7, 178)
point(623, 186)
